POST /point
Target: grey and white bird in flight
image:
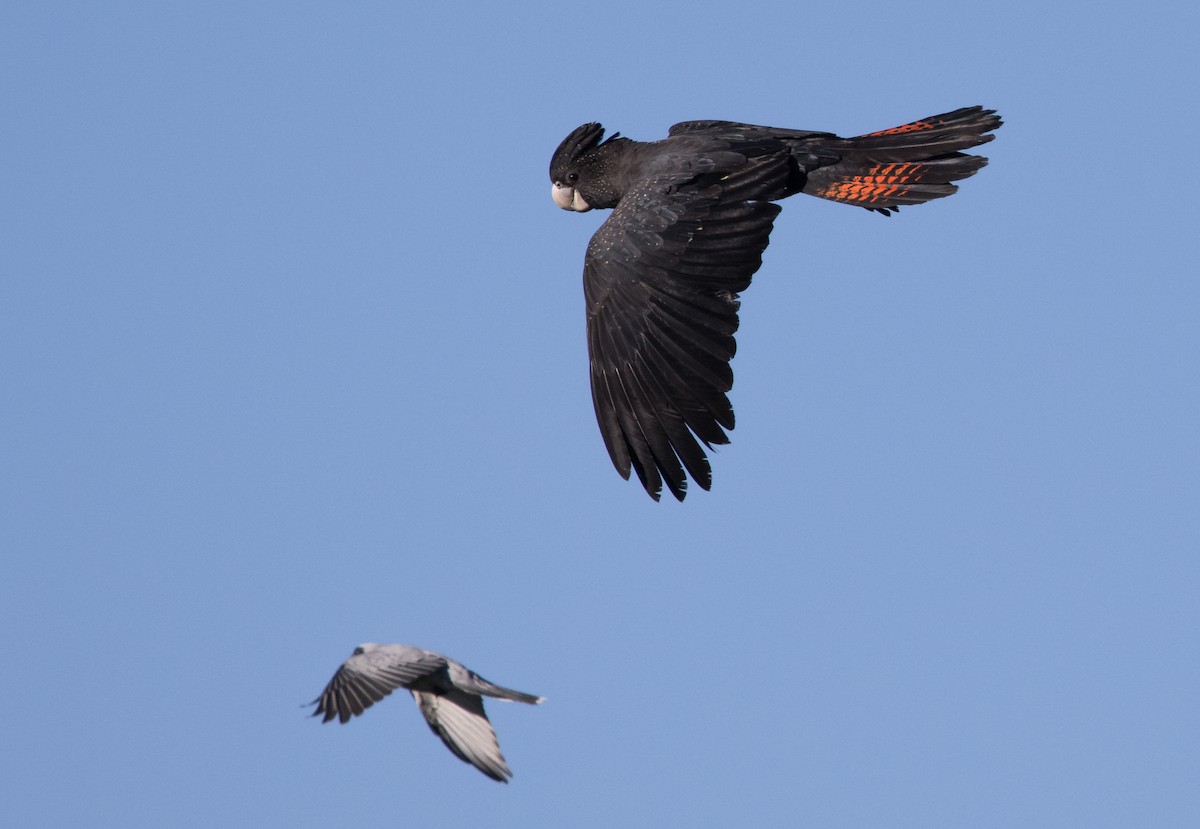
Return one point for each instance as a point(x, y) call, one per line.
point(448, 694)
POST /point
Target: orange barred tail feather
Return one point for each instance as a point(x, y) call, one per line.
point(885, 187)
point(909, 164)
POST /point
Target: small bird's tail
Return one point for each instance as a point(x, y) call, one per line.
point(465, 679)
point(909, 164)
point(500, 692)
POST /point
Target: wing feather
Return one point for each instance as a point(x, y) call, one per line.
point(458, 718)
point(366, 678)
point(681, 442)
point(661, 277)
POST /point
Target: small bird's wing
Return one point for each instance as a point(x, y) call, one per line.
point(458, 718)
point(366, 678)
point(661, 277)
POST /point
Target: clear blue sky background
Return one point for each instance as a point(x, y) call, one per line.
point(291, 340)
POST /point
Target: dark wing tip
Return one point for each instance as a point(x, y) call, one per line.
point(327, 712)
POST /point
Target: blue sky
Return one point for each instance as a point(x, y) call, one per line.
point(291, 336)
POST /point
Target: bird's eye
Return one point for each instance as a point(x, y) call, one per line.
point(572, 178)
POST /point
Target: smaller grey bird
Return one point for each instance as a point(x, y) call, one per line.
point(448, 694)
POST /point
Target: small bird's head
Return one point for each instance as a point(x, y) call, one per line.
point(571, 164)
point(365, 647)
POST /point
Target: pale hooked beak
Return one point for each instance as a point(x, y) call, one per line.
point(568, 199)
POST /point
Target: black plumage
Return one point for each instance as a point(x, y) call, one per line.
point(692, 215)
